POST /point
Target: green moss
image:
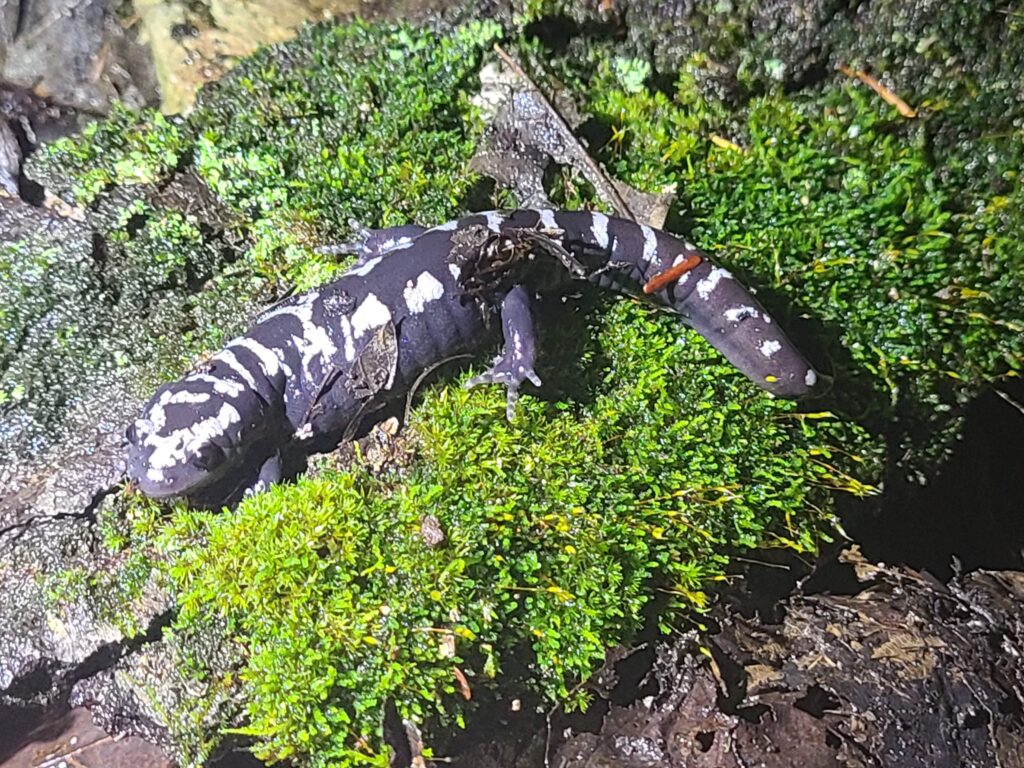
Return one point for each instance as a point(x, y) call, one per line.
point(112, 593)
point(112, 297)
point(127, 148)
point(360, 121)
point(831, 201)
point(66, 586)
point(559, 528)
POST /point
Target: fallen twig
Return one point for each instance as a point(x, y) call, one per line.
point(1009, 399)
point(54, 760)
point(887, 95)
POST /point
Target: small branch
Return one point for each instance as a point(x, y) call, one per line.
point(764, 563)
point(1009, 399)
point(887, 95)
point(55, 760)
point(419, 380)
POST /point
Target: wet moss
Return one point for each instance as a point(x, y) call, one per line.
point(103, 294)
point(359, 122)
point(126, 149)
point(903, 252)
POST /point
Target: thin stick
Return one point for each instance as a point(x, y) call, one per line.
point(887, 95)
point(672, 274)
point(54, 760)
point(419, 380)
point(1009, 399)
point(765, 563)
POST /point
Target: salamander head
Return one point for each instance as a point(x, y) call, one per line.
point(192, 434)
point(726, 314)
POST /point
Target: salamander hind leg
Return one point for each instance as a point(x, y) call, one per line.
point(515, 364)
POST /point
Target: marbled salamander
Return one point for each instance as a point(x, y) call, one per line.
point(316, 366)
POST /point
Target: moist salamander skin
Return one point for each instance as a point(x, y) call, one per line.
point(316, 368)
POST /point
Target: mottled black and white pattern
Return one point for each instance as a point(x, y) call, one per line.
point(313, 368)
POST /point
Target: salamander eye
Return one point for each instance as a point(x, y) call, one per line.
point(208, 457)
point(131, 434)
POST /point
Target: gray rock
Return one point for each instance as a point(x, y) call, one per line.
point(90, 313)
point(47, 538)
point(74, 53)
point(155, 693)
point(10, 160)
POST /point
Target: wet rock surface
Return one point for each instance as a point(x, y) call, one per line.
point(62, 452)
point(75, 54)
point(142, 692)
point(93, 303)
point(72, 739)
point(47, 502)
point(33, 120)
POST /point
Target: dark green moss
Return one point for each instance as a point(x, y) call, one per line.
point(832, 201)
point(357, 121)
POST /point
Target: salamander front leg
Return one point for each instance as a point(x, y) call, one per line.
point(271, 472)
point(371, 243)
point(515, 364)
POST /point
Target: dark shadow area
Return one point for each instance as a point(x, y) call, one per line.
point(760, 581)
point(506, 734)
point(972, 513)
point(556, 32)
point(571, 361)
point(237, 759)
point(479, 197)
point(594, 134)
point(23, 725)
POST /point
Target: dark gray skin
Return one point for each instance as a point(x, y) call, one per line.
point(314, 370)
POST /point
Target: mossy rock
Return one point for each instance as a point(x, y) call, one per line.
point(892, 256)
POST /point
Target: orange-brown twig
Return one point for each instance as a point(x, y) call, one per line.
point(888, 96)
point(671, 274)
point(464, 689)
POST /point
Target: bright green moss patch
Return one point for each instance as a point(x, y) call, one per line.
point(125, 149)
point(360, 121)
point(558, 529)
